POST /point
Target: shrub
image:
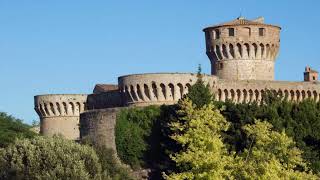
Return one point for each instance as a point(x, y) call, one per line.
point(48, 158)
point(133, 132)
point(199, 93)
point(111, 167)
point(12, 128)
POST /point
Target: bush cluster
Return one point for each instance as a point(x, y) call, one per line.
point(134, 128)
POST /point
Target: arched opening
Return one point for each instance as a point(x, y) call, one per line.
point(224, 51)
point(225, 95)
point(154, 90)
point(315, 95)
point(250, 95)
point(146, 91)
point(65, 108)
point(256, 92)
point(262, 50)
point(245, 96)
point(292, 95)
point(58, 108)
point(232, 93)
point(231, 50)
point(255, 49)
point(139, 92)
point(133, 94)
point(247, 50)
point(52, 109)
point(268, 51)
point(218, 52)
point(72, 107)
point(239, 49)
point(180, 90)
point(163, 90)
point(238, 95)
point(309, 94)
point(171, 87)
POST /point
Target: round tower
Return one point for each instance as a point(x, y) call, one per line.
point(243, 49)
point(59, 114)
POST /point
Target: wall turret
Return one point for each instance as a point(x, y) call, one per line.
point(243, 49)
point(59, 114)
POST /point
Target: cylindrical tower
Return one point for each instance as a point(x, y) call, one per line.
point(243, 49)
point(157, 88)
point(59, 114)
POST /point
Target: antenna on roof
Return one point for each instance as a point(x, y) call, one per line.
point(240, 16)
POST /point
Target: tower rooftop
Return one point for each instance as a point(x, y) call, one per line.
point(242, 21)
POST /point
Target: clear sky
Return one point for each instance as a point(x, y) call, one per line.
point(67, 46)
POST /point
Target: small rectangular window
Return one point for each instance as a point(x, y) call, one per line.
point(217, 34)
point(220, 66)
point(231, 31)
point(261, 31)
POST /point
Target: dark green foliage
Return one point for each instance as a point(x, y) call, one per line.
point(300, 121)
point(134, 129)
point(110, 166)
point(141, 132)
point(199, 93)
point(12, 128)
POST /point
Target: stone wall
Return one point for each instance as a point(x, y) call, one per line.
point(99, 126)
point(248, 91)
point(245, 55)
point(157, 88)
point(59, 114)
point(104, 100)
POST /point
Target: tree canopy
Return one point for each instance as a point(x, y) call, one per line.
point(48, 158)
point(12, 128)
point(271, 155)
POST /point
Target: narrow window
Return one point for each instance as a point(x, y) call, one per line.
point(217, 33)
point(220, 66)
point(231, 31)
point(261, 31)
point(314, 78)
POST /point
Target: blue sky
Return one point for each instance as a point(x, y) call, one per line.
point(68, 46)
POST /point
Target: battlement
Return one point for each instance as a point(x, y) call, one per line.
point(242, 49)
point(59, 113)
point(157, 88)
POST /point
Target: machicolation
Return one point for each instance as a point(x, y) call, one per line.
point(242, 54)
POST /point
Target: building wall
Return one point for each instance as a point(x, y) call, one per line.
point(99, 126)
point(59, 114)
point(157, 88)
point(244, 56)
point(248, 91)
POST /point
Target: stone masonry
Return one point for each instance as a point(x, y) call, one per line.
point(242, 54)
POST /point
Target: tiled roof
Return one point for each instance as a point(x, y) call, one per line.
point(241, 21)
point(99, 88)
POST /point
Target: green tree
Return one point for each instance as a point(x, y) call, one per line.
point(12, 128)
point(48, 158)
point(203, 154)
point(134, 139)
point(199, 93)
point(270, 155)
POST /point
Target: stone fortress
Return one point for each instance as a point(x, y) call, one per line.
point(242, 54)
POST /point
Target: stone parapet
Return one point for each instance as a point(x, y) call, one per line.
point(157, 88)
point(249, 91)
point(59, 113)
